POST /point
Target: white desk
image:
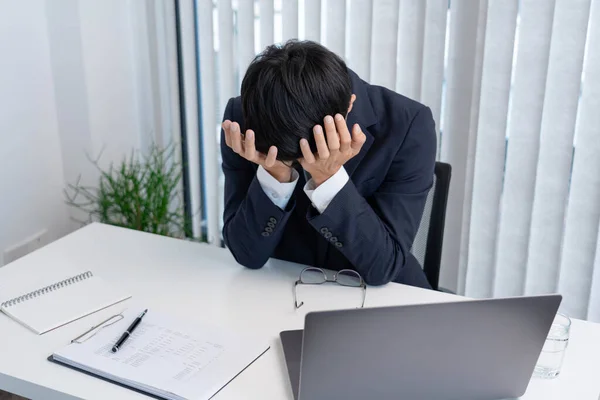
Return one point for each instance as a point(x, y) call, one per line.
point(189, 279)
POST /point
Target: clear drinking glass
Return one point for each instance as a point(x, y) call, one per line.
point(553, 353)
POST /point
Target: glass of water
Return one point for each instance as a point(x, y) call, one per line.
point(551, 358)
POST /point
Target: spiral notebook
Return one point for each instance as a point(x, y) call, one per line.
point(44, 301)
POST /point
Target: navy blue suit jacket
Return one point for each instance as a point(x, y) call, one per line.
point(371, 223)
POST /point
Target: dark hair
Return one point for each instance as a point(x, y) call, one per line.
point(290, 88)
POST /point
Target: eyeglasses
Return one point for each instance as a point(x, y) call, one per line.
point(316, 276)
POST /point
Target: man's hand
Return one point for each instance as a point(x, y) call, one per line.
point(333, 154)
point(245, 147)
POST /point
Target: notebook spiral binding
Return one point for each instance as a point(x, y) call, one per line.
point(40, 292)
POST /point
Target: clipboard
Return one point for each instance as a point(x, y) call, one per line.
point(52, 360)
point(165, 395)
point(93, 330)
point(150, 395)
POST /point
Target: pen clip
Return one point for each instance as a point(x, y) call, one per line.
point(107, 322)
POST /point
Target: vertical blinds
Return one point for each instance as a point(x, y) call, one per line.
point(434, 50)
point(462, 83)
point(514, 89)
point(527, 94)
point(489, 170)
point(384, 43)
point(358, 51)
point(579, 268)
point(555, 155)
point(535, 202)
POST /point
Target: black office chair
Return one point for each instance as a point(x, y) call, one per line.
point(427, 247)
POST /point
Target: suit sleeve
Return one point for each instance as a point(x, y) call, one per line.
point(376, 234)
point(252, 224)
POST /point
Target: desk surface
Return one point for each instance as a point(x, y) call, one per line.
point(183, 278)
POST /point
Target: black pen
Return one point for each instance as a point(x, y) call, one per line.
point(128, 332)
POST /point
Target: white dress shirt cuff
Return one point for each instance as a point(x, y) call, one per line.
point(323, 195)
point(278, 192)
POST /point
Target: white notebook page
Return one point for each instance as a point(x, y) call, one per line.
point(166, 355)
point(59, 307)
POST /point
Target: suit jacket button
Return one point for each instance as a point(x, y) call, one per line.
point(268, 229)
point(328, 235)
point(270, 225)
point(339, 245)
point(265, 234)
point(273, 220)
point(324, 230)
point(333, 239)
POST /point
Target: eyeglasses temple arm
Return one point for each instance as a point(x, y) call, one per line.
point(295, 296)
point(364, 294)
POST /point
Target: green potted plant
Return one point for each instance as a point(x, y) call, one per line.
point(141, 193)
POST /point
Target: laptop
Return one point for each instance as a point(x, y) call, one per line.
point(467, 350)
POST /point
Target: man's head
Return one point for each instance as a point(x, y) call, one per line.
point(289, 89)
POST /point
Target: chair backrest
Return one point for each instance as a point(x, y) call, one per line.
point(427, 247)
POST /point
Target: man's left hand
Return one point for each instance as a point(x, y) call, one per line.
point(333, 153)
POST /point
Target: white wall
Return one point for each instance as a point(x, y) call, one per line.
point(73, 82)
point(31, 172)
point(107, 50)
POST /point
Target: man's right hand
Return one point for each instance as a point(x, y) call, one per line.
point(245, 147)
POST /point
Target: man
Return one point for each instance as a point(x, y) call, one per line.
point(323, 169)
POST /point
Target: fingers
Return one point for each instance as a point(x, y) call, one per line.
point(271, 157)
point(309, 157)
point(226, 125)
point(249, 147)
point(332, 135)
point(358, 138)
point(236, 138)
point(342, 130)
point(320, 140)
